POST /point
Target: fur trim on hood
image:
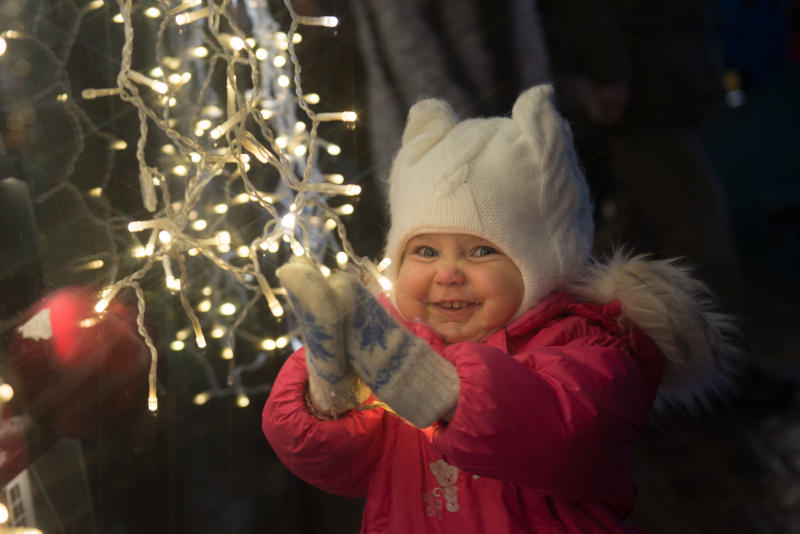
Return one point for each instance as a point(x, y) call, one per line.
point(677, 312)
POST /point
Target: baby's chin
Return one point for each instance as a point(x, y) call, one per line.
point(456, 333)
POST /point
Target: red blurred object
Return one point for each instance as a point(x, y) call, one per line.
point(78, 371)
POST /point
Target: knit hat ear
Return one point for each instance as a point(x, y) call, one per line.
point(428, 121)
point(547, 132)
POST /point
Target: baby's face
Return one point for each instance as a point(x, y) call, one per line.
point(463, 286)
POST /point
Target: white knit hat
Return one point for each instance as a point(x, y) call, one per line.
point(512, 181)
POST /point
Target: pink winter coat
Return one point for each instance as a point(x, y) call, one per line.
point(542, 439)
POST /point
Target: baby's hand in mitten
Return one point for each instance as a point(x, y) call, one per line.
point(321, 319)
point(400, 368)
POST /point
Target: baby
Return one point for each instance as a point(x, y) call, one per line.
point(501, 385)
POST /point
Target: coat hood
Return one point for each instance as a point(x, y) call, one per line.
point(678, 313)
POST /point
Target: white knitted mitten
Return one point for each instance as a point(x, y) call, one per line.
point(320, 318)
point(400, 368)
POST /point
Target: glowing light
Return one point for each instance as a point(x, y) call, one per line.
point(164, 236)
point(261, 54)
point(4, 516)
point(92, 265)
point(299, 127)
point(180, 170)
point(346, 116)
point(297, 248)
point(96, 192)
point(95, 4)
point(341, 258)
point(266, 113)
point(327, 22)
point(221, 208)
point(334, 150)
point(61, 97)
point(223, 238)
point(152, 403)
point(242, 401)
point(207, 291)
point(345, 209)
point(243, 251)
point(152, 12)
point(156, 85)
point(282, 141)
point(237, 43)
point(204, 305)
point(6, 394)
point(279, 61)
point(385, 283)
point(199, 225)
point(156, 72)
point(177, 345)
point(187, 18)
point(300, 151)
point(330, 225)
point(88, 322)
point(118, 144)
point(200, 51)
point(193, 252)
point(325, 270)
point(311, 98)
point(195, 157)
point(217, 332)
point(284, 81)
point(227, 309)
point(276, 308)
point(384, 264)
point(269, 344)
point(117, 19)
point(227, 353)
point(200, 340)
point(168, 149)
point(101, 305)
point(201, 398)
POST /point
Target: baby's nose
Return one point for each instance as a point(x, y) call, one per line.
point(449, 274)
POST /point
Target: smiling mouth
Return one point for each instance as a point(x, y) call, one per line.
point(454, 305)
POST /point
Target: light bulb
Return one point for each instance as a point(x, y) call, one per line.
point(6, 394)
point(227, 309)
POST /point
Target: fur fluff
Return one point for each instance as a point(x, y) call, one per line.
point(677, 312)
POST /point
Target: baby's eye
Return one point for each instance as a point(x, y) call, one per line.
point(483, 250)
point(426, 251)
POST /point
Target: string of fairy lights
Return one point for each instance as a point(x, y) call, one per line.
point(240, 131)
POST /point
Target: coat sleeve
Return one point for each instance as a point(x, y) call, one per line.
point(336, 456)
point(559, 420)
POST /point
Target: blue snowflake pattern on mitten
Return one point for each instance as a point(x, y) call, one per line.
point(375, 330)
point(371, 327)
point(313, 332)
point(399, 354)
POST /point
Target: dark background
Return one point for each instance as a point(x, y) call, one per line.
point(209, 469)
